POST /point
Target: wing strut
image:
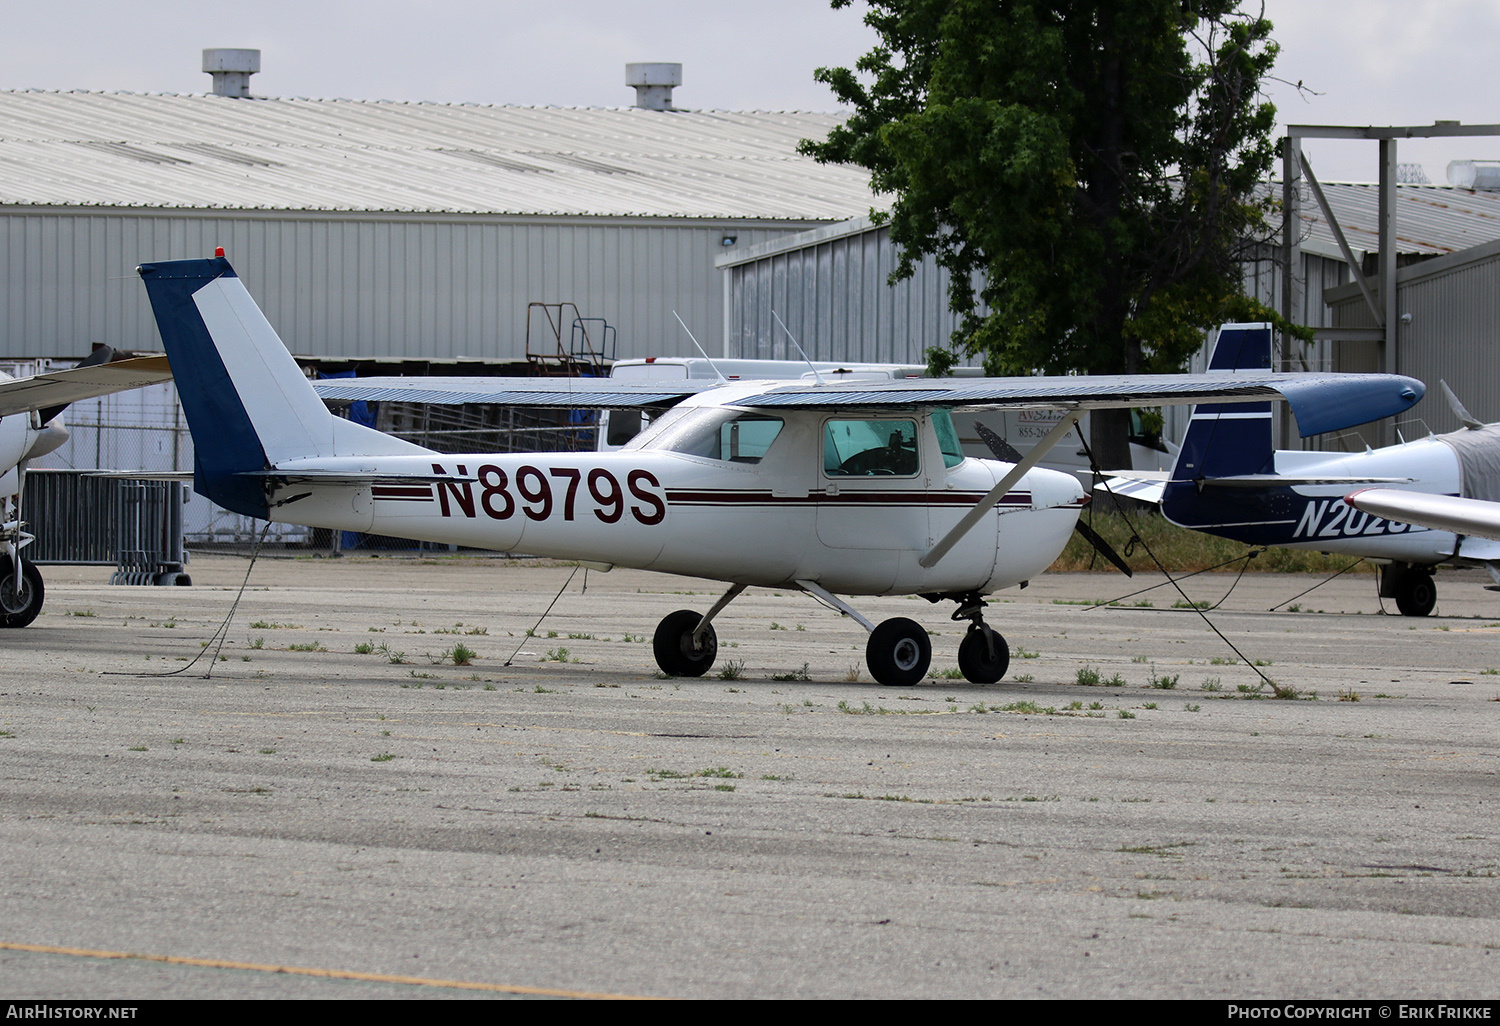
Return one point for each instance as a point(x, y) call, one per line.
point(995, 494)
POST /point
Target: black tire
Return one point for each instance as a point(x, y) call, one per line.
point(18, 608)
point(674, 649)
point(898, 652)
point(1416, 593)
point(974, 660)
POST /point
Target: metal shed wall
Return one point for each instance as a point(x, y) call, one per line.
point(368, 285)
point(1453, 334)
point(830, 286)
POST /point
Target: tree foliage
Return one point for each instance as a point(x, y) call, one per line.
point(1085, 169)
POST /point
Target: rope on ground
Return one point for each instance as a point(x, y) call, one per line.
point(1130, 550)
point(221, 633)
point(532, 632)
point(1202, 613)
point(1324, 581)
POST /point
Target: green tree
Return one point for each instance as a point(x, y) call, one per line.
point(1085, 169)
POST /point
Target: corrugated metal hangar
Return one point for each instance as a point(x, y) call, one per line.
point(829, 285)
point(376, 228)
point(1449, 308)
point(382, 231)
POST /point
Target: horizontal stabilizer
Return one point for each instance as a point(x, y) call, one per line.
point(352, 477)
point(1133, 488)
point(1139, 475)
point(1271, 480)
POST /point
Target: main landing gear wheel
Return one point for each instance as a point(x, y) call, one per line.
point(1416, 592)
point(19, 606)
point(675, 652)
point(898, 652)
point(975, 661)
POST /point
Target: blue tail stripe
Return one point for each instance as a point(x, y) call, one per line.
point(1242, 348)
point(1224, 440)
point(225, 442)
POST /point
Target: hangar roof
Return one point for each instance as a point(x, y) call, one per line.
point(174, 151)
point(1430, 219)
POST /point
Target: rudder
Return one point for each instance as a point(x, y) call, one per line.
point(248, 404)
point(1223, 440)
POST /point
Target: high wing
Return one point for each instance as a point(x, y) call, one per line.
point(59, 388)
point(556, 393)
point(1320, 402)
point(1441, 512)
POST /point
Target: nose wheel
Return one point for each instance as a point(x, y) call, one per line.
point(983, 655)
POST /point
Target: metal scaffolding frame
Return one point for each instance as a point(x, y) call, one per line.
point(1381, 296)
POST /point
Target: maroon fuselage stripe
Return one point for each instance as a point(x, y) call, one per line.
point(745, 497)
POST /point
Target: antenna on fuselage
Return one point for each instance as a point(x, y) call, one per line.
point(789, 335)
point(722, 379)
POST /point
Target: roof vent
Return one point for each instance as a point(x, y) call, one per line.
point(231, 70)
point(1474, 174)
point(653, 84)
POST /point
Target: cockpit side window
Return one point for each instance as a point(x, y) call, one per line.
point(863, 448)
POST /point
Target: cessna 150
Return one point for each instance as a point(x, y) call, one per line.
point(31, 425)
point(853, 489)
point(1229, 480)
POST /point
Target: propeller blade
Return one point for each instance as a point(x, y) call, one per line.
point(102, 355)
point(1102, 547)
point(999, 446)
point(1468, 419)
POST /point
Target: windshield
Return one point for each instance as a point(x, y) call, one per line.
point(656, 427)
point(716, 433)
point(947, 436)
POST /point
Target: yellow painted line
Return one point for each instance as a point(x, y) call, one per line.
point(332, 974)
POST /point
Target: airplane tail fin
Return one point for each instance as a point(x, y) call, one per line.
point(248, 404)
point(1223, 440)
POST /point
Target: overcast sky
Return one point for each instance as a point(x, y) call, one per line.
point(1400, 62)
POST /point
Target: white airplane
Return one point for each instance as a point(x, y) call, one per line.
point(1228, 480)
point(838, 489)
point(31, 425)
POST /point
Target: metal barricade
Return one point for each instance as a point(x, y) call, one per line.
point(80, 518)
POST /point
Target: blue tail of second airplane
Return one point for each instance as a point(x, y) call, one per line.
point(1224, 440)
point(248, 404)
